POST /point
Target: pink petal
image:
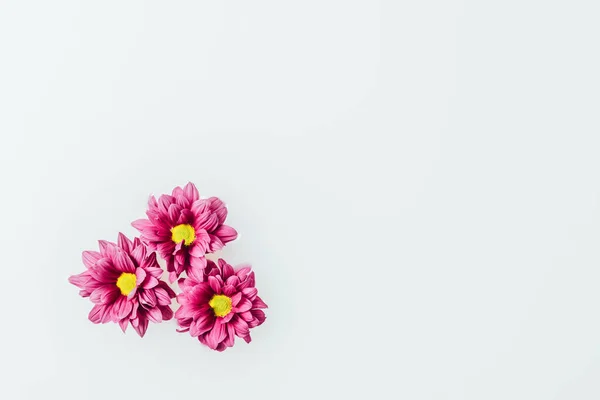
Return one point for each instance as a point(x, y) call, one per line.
point(122, 308)
point(132, 294)
point(80, 280)
point(228, 317)
point(143, 225)
point(243, 272)
point(147, 297)
point(140, 275)
point(225, 233)
point(233, 281)
point(247, 316)
point(217, 207)
point(235, 299)
point(162, 296)
point(105, 294)
point(90, 258)
point(226, 268)
point(229, 290)
point(138, 254)
point(123, 242)
point(123, 262)
point(142, 326)
point(259, 315)
point(214, 284)
point(150, 282)
point(258, 303)
point(250, 292)
point(191, 192)
point(244, 305)
point(155, 315)
point(203, 324)
point(197, 251)
point(97, 313)
point(216, 335)
point(241, 327)
point(123, 324)
point(167, 313)
point(174, 212)
point(230, 339)
point(215, 243)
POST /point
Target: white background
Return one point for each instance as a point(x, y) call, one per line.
point(417, 184)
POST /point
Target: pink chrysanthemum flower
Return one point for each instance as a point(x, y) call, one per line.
point(123, 282)
point(183, 228)
point(219, 305)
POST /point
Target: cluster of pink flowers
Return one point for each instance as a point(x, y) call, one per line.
point(124, 279)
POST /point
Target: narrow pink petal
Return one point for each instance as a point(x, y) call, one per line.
point(132, 294)
point(244, 305)
point(138, 253)
point(191, 192)
point(203, 324)
point(228, 317)
point(123, 324)
point(243, 272)
point(142, 326)
point(96, 313)
point(167, 312)
point(230, 339)
point(225, 233)
point(123, 262)
point(122, 308)
point(214, 284)
point(154, 271)
point(80, 280)
point(142, 225)
point(247, 316)
point(208, 222)
point(250, 292)
point(241, 326)
point(216, 335)
point(150, 261)
point(150, 282)
point(147, 297)
point(174, 213)
point(259, 316)
point(140, 275)
point(258, 303)
point(233, 280)
point(90, 258)
point(217, 207)
point(215, 243)
point(124, 242)
point(235, 299)
point(229, 290)
point(155, 315)
point(105, 294)
point(162, 296)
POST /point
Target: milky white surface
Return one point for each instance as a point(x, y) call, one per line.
point(416, 183)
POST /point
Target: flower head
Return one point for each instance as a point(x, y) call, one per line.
point(123, 282)
point(183, 228)
point(219, 305)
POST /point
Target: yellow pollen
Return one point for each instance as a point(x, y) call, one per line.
point(183, 232)
point(126, 283)
point(220, 304)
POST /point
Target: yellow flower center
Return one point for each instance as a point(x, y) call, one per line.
point(183, 232)
point(126, 283)
point(220, 304)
